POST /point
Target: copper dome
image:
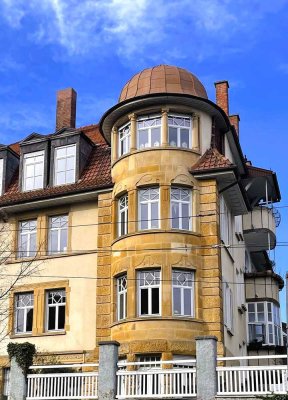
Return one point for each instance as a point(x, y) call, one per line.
point(163, 79)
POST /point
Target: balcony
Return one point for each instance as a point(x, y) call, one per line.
point(259, 229)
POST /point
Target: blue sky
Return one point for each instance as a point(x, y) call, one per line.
point(96, 46)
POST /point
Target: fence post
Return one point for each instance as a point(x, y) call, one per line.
point(18, 385)
point(206, 362)
point(107, 379)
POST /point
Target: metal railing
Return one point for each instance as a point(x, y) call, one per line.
point(173, 379)
point(58, 385)
point(252, 380)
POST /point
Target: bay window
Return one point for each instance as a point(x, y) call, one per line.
point(55, 310)
point(181, 208)
point(33, 171)
point(27, 238)
point(24, 305)
point(149, 132)
point(149, 292)
point(179, 131)
point(124, 134)
point(183, 293)
point(122, 297)
point(148, 206)
point(123, 215)
point(264, 323)
point(65, 165)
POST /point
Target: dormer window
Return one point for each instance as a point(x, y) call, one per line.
point(179, 131)
point(149, 132)
point(33, 170)
point(65, 165)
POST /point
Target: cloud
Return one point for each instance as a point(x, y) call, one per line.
point(8, 64)
point(138, 28)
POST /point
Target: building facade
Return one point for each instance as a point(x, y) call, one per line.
point(149, 228)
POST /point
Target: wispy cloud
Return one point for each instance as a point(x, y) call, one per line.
point(7, 63)
point(140, 28)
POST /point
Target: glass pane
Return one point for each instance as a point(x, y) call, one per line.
point(176, 301)
point(155, 300)
point(143, 139)
point(32, 249)
point(250, 307)
point(29, 182)
point(51, 318)
point(185, 216)
point(60, 151)
point(60, 178)
point(144, 302)
point(144, 216)
point(154, 215)
point(172, 136)
point(121, 306)
point(29, 321)
point(184, 137)
point(70, 163)
point(61, 317)
point(175, 215)
point(38, 182)
point(53, 241)
point(63, 239)
point(70, 176)
point(29, 170)
point(187, 302)
point(251, 317)
point(260, 307)
point(261, 317)
point(20, 321)
point(155, 137)
point(61, 165)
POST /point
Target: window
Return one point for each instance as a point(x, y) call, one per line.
point(179, 131)
point(149, 208)
point(183, 293)
point(124, 139)
point(225, 223)
point(57, 234)
point(240, 288)
point(149, 292)
point(123, 215)
point(24, 304)
point(55, 310)
point(27, 238)
point(228, 306)
point(6, 382)
point(65, 165)
point(122, 297)
point(149, 132)
point(1, 175)
point(264, 323)
point(33, 170)
point(150, 384)
point(149, 362)
point(180, 200)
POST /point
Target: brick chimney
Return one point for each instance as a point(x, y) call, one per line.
point(66, 108)
point(234, 120)
point(222, 99)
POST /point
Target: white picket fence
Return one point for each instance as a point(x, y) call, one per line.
point(74, 385)
point(252, 380)
point(157, 381)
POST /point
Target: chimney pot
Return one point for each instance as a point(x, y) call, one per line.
point(222, 99)
point(66, 108)
point(234, 120)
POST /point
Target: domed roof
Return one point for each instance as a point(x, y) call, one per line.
point(163, 79)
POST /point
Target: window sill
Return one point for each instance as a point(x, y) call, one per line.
point(157, 318)
point(51, 333)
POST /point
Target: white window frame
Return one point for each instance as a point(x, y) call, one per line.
point(57, 158)
point(228, 306)
point(26, 309)
point(149, 203)
point(226, 224)
point(6, 382)
point(240, 288)
point(122, 293)
point(29, 159)
point(123, 211)
point(56, 306)
point(179, 203)
point(124, 137)
point(28, 233)
point(179, 127)
point(149, 287)
point(1, 175)
point(60, 230)
point(149, 128)
point(187, 285)
point(266, 323)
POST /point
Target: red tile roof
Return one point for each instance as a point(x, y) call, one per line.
point(96, 174)
point(211, 159)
